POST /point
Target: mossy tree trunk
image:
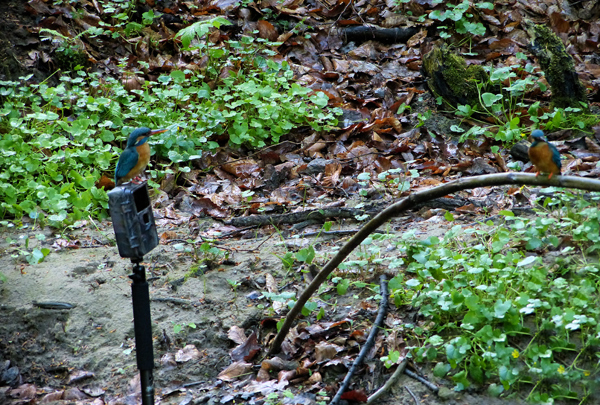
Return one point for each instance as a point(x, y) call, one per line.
point(558, 66)
point(451, 78)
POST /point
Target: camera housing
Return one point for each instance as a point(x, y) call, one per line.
point(133, 220)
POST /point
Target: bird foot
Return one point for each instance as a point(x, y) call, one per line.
point(550, 176)
point(537, 174)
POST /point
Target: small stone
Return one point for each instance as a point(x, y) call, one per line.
point(253, 296)
point(446, 393)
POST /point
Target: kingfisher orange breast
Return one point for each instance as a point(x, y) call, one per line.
point(542, 157)
point(144, 158)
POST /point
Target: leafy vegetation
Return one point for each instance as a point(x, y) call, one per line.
point(464, 22)
point(57, 141)
point(306, 256)
point(206, 256)
point(30, 255)
point(493, 95)
point(508, 307)
point(462, 14)
point(508, 108)
point(177, 327)
point(497, 309)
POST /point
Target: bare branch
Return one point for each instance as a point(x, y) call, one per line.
point(411, 201)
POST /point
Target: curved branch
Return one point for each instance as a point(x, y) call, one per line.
point(369, 343)
point(409, 202)
point(374, 398)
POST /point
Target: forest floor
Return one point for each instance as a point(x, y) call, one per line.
point(206, 305)
point(86, 351)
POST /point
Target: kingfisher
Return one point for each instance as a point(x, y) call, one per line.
point(136, 155)
point(544, 156)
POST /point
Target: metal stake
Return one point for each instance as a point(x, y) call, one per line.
point(142, 325)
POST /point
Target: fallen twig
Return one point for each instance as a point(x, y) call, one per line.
point(374, 398)
point(53, 305)
point(411, 201)
point(370, 340)
point(427, 383)
point(266, 239)
point(296, 217)
point(318, 215)
point(178, 301)
point(233, 233)
point(412, 395)
point(192, 384)
point(341, 232)
point(365, 32)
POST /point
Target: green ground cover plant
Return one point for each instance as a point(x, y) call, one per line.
point(465, 22)
point(510, 307)
point(508, 108)
point(501, 98)
point(461, 17)
point(57, 141)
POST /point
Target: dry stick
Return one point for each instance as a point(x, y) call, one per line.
point(178, 301)
point(389, 383)
point(341, 232)
point(409, 202)
point(413, 395)
point(422, 380)
point(370, 340)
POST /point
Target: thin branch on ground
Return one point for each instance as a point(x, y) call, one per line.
point(341, 232)
point(233, 233)
point(412, 200)
point(177, 301)
point(370, 340)
point(317, 214)
point(266, 148)
point(412, 395)
point(266, 239)
point(422, 380)
point(374, 398)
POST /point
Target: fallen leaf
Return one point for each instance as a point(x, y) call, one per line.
point(168, 235)
point(74, 394)
point(235, 370)
point(241, 168)
point(53, 396)
point(79, 375)
point(326, 351)
point(271, 284)
point(247, 350)
point(356, 396)
point(266, 30)
point(94, 391)
point(186, 354)
point(237, 334)
point(23, 392)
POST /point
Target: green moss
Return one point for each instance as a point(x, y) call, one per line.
point(193, 272)
point(589, 120)
point(451, 78)
point(559, 68)
point(579, 120)
point(68, 57)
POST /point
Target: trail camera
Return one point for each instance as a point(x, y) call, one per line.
point(132, 220)
point(136, 235)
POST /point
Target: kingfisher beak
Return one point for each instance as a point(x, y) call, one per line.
point(157, 131)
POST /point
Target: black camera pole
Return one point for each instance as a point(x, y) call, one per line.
point(142, 325)
point(135, 232)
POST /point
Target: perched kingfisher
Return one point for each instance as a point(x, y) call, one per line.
point(544, 155)
point(136, 155)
